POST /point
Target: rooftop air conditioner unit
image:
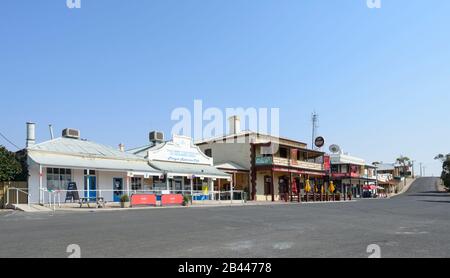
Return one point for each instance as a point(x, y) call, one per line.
point(71, 133)
point(156, 137)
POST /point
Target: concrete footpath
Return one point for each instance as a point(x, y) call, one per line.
point(440, 186)
point(409, 182)
point(210, 205)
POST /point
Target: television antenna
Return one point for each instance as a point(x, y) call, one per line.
point(315, 127)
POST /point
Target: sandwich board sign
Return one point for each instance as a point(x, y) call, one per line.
point(72, 192)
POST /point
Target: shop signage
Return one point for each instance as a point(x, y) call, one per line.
point(143, 200)
point(72, 192)
point(326, 163)
point(180, 150)
point(171, 199)
point(319, 142)
point(264, 160)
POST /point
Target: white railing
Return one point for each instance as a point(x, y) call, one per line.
point(53, 197)
point(17, 191)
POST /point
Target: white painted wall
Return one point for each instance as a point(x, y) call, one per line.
point(224, 152)
point(104, 182)
point(33, 181)
point(260, 186)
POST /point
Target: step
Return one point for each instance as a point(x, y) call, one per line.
point(31, 208)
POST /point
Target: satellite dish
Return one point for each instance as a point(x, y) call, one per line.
point(335, 149)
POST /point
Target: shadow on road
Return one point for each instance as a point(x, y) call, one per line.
point(430, 194)
point(435, 201)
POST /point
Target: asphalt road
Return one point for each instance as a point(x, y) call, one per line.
point(415, 224)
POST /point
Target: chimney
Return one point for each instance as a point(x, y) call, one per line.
point(122, 147)
point(234, 123)
point(31, 134)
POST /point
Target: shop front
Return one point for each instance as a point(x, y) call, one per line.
point(67, 169)
point(186, 169)
point(288, 184)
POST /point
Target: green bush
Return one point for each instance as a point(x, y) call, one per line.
point(186, 200)
point(446, 173)
point(124, 198)
point(10, 166)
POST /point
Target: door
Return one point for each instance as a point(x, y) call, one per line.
point(117, 189)
point(90, 187)
point(177, 186)
point(267, 185)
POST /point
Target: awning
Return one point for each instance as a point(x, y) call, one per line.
point(93, 163)
point(231, 166)
point(175, 169)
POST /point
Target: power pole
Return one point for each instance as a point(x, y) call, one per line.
point(315, 126)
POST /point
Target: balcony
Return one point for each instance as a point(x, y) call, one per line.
point(278, 161)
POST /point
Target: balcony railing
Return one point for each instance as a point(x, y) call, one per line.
point(278, 161)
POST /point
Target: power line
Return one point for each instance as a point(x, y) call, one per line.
point(9, 141)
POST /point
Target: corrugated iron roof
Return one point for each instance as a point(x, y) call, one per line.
point(75, 153)
point(81, 147)
point(230, 165)
point(80, 162)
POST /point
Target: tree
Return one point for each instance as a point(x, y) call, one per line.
point(405, 162)
point(446, 173)
point(21, 157)
point(442, 157)
point(9, 165)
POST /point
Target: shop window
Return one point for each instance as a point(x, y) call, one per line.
point(208, 152)
point(58, 179)
point(159, 183)
point(136, 183)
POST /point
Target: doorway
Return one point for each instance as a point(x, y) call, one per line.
point(177, 185)
point(90, 187)
point(117, 189)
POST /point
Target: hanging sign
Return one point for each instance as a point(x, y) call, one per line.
point(319, 142)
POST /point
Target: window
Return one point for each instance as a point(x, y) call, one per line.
point(159, 183)
point(283, 153)
point(334, 168)
point(58, 179)
point(136, 183)
point(89, 172)
point(208, 152)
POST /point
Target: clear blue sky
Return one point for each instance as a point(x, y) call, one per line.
point(380, 79)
